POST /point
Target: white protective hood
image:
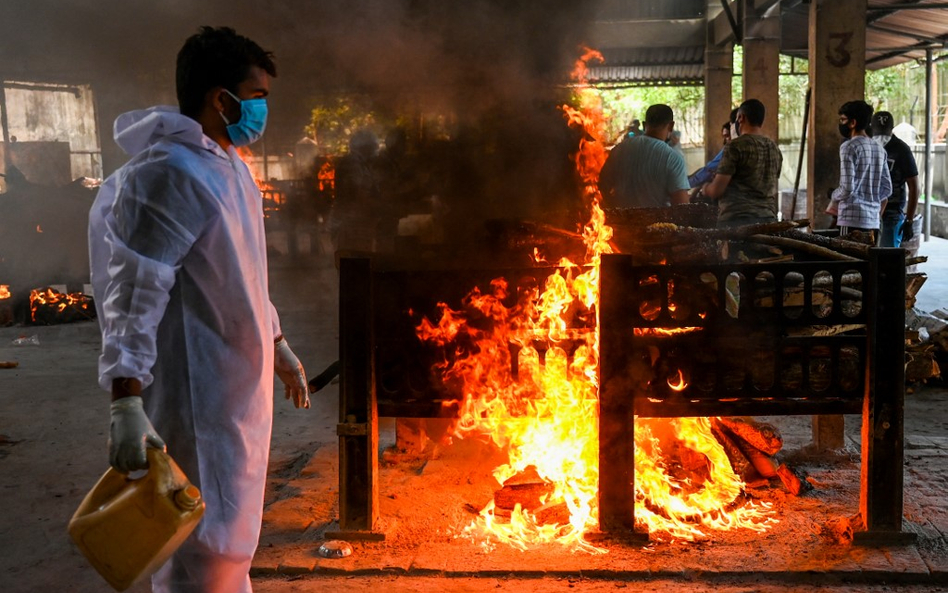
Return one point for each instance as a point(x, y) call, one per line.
point(179, 269)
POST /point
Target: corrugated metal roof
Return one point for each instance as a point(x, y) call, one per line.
point(650, 66)
point(621, 10)
point(892, 37)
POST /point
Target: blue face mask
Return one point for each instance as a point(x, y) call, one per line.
point(253, 121)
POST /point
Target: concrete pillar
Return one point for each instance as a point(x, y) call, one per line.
point(762, 61)
point(837, 60)
point(837, 55)
point(718, 71)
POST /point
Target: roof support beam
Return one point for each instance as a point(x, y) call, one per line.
point(761, 68)
point(720, 32)
point(718, 76)
point(837, 58)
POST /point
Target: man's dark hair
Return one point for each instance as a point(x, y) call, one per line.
point(216, 57)
point(859, 112)
point(659, 115)
point(754, 111)
point(733, 117)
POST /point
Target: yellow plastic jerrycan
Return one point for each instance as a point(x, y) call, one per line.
point(127, 528)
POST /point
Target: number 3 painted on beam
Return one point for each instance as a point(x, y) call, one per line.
point(839, 55)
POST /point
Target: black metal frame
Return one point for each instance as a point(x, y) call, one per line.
point(387, 371)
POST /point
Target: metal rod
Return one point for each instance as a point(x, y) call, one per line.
point(908, 34)
point(929, 161)
point(730, 19)
point(900, 7)
point(796, 182)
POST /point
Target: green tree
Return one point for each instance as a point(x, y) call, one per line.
point(334, 120)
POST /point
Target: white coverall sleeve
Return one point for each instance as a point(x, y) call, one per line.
point(153, 223)
point(275, 321)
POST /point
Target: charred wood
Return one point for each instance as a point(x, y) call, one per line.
point(760, 435)
point(795, 483)
point(810, 248)
point(850, 248)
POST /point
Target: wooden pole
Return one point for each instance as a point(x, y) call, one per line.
point(358, 412)
point(616, 405)
point(881, 479)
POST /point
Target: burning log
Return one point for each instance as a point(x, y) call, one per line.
point(527, 489)
point(760, 435)
point(739, 462)
point(750, 446)
point(552, 514)
point(794, 483)
point(49, 306)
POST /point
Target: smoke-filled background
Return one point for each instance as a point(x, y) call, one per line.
point(492, 72)
point(465, 57)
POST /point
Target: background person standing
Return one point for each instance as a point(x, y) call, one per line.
point(643, 171)
point(864, 182)
point(899, 210)
point(745, 184)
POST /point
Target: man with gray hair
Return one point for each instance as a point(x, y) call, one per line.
point(643, 171)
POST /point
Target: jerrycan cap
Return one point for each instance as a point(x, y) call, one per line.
point(188, 498)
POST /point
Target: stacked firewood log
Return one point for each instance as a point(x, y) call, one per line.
point(751, 447)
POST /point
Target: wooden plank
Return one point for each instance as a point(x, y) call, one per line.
point(881, 480)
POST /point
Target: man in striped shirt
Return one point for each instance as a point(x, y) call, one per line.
point(864, 181)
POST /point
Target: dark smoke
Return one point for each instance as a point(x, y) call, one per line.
point(496, 68)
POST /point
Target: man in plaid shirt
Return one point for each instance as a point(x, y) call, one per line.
point(864, 181)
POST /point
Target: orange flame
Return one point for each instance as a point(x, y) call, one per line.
point(247, 156)
point(546, 416)
point(57, 300)
point(5, 291)
point(326, 176)
point(678, 383)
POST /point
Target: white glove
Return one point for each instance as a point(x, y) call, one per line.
point(130, 433)
point(291, 372)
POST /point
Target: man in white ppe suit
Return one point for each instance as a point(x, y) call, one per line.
point(190, 339)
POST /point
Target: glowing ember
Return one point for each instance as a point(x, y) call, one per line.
point(5, 291)
point(546, 417)
point(678, 383)
point(51, 306)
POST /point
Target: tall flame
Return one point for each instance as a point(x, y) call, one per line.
point(545, 417)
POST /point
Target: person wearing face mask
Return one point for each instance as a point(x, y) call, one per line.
point(864, 181)
point(706, 173)
point(899, 209)
point(190, 340)
point(745, 184)
point(643, 171)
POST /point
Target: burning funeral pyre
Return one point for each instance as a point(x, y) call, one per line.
point(546, 418)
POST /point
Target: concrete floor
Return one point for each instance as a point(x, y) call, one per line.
point(934, 294)
point(55, 422)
